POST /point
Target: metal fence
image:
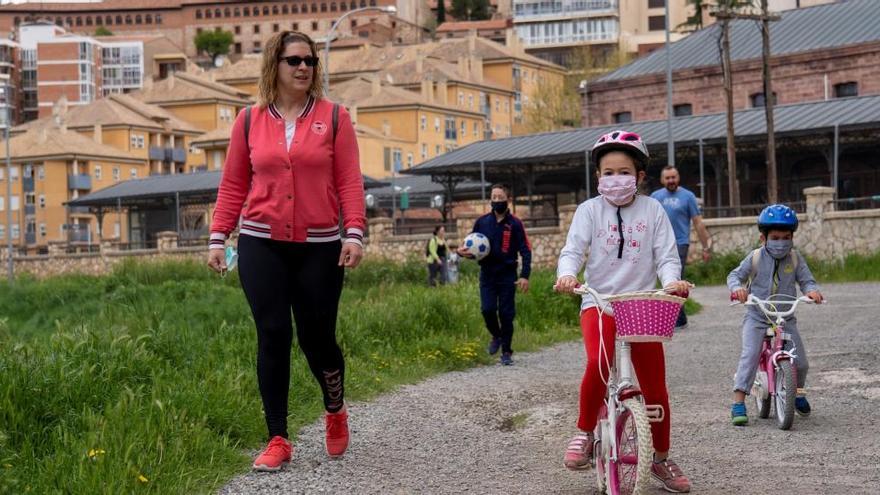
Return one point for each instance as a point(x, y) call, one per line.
point(413, 226)
point(862, 203)
point(746, 210)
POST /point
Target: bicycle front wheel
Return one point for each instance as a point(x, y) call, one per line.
point(630, 472)
point(785, 394)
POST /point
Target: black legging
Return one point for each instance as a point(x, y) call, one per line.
point(279, 276)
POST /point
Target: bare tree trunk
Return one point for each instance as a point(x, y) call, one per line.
point(733, 182)
point(772, 186)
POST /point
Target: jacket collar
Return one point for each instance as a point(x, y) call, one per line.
point(310, 103)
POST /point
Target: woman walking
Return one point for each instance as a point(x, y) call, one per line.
point(293, 159)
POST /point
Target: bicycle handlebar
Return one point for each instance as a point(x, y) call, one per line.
point(768, 306)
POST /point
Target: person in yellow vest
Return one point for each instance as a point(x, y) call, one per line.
point(436, 256)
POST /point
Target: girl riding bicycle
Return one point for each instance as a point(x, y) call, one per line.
point(630, 243)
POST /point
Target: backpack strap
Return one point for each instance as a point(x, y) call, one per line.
point(335, 119)
point(756, 259)
point(247, 126)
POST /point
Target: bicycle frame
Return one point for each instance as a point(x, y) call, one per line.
point(773, 352)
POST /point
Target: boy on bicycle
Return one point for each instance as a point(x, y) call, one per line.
point(772, 269)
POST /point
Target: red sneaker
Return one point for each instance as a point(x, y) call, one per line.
point(337, 432)
point(276, 455)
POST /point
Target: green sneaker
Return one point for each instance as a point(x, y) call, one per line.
point(738, 414)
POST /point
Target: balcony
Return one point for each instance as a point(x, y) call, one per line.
point(79, 182)
point(157, 153)
point(79, 236)
point(78, 210)
point(28, 184)
point(30, 209)
point(30, 237)
point(168, 155)
point(544, 11)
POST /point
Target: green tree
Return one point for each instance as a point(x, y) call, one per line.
point(695, 22)
point(556, 105)
point(471, 10)
point(103, 31)
point(214, 43)
point(441, 12)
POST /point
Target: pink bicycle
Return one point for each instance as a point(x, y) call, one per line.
point(776, 379)
point(622, 449)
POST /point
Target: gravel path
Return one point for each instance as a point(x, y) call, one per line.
point(503, 429)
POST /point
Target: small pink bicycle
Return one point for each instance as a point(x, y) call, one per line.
point(622, 449)
point(776, 379)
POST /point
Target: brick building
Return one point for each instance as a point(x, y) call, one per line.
point(251, 22)
point(813, 59)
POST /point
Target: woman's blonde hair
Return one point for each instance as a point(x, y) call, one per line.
point(268, 84)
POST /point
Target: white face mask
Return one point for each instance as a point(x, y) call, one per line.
point(618, 189)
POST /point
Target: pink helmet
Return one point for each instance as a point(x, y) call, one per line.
point(626, 141)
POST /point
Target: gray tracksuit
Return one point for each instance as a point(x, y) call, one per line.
point(754, 321)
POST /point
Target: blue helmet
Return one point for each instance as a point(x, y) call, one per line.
point(778, 217)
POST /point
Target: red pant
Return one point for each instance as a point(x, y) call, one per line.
point(650, 368)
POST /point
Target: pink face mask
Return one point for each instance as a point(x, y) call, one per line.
point(618, 189)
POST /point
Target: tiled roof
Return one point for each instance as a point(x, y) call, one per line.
point(45, 142)
point(248, 67)
point(179, 87)
point(219, 134)
point(433, 69)
point(468, 25)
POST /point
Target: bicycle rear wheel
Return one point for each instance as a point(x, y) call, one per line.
point(632, 469)
point(785, 394)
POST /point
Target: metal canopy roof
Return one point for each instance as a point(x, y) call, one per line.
point(563, 149)
point(799, 30)
point(161, 190)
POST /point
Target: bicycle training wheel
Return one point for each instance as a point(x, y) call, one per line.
point(761, 394)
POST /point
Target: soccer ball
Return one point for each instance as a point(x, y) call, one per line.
point(477, 244)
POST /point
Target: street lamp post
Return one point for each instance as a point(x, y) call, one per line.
point(7, 101)
point(390, 9)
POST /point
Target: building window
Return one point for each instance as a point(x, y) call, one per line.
point(199, 13)
point(257, 47)
point(424, 123)
point(42, 200)
point(683, 110)
point(236, 12)
point(13, 173)
point(116, 174)
point(41, 172)
point(759, 101)
point(622, 117)
point(246, 12)
point(42, 229)
point(128, 19)
point(226, 12)
point(15, 231)
point(437, 150)
point(237, 29)
point(134, 173)
point(14, 203)
point(296, 26)
point(285, 10)
point(409, 160)
point(98, 172)
point(137, 19)
point(294, 9)
point(656, 4)
point(266, 10)
point(256, 29)
point(424, 151)
point(463, 128)
point(460, 99)
point(2, 231)
point(89, 21)
point(149, 18)
point(274, 10)
point(354, 23)
point(314, 25)
point(79, 21)
point(470, 101)
point(436, 124)
point(158, 18)
point(846, 89)
point(450, 133)
point(275, 28)
point(657, 23)
point(238, 48)
point(476, 129)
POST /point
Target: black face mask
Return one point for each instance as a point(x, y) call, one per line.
point(499, 207)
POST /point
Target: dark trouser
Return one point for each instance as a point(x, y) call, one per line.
point(683, 256)
point(278, 277)
point(435, 271)
point(498, 304)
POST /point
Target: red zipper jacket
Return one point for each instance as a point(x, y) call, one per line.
point(293, 194)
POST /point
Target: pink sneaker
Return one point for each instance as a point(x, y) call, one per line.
point(668, 473)
point(579, 453)
point(337, 432)
point(276, 455)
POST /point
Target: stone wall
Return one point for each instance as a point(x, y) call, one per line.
point(823, 234)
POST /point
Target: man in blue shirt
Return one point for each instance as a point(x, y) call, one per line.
point(498, 277)
point(681, 206)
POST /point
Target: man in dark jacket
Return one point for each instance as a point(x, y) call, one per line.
point(498, 270)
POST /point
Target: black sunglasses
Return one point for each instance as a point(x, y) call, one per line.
point(295, 60)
